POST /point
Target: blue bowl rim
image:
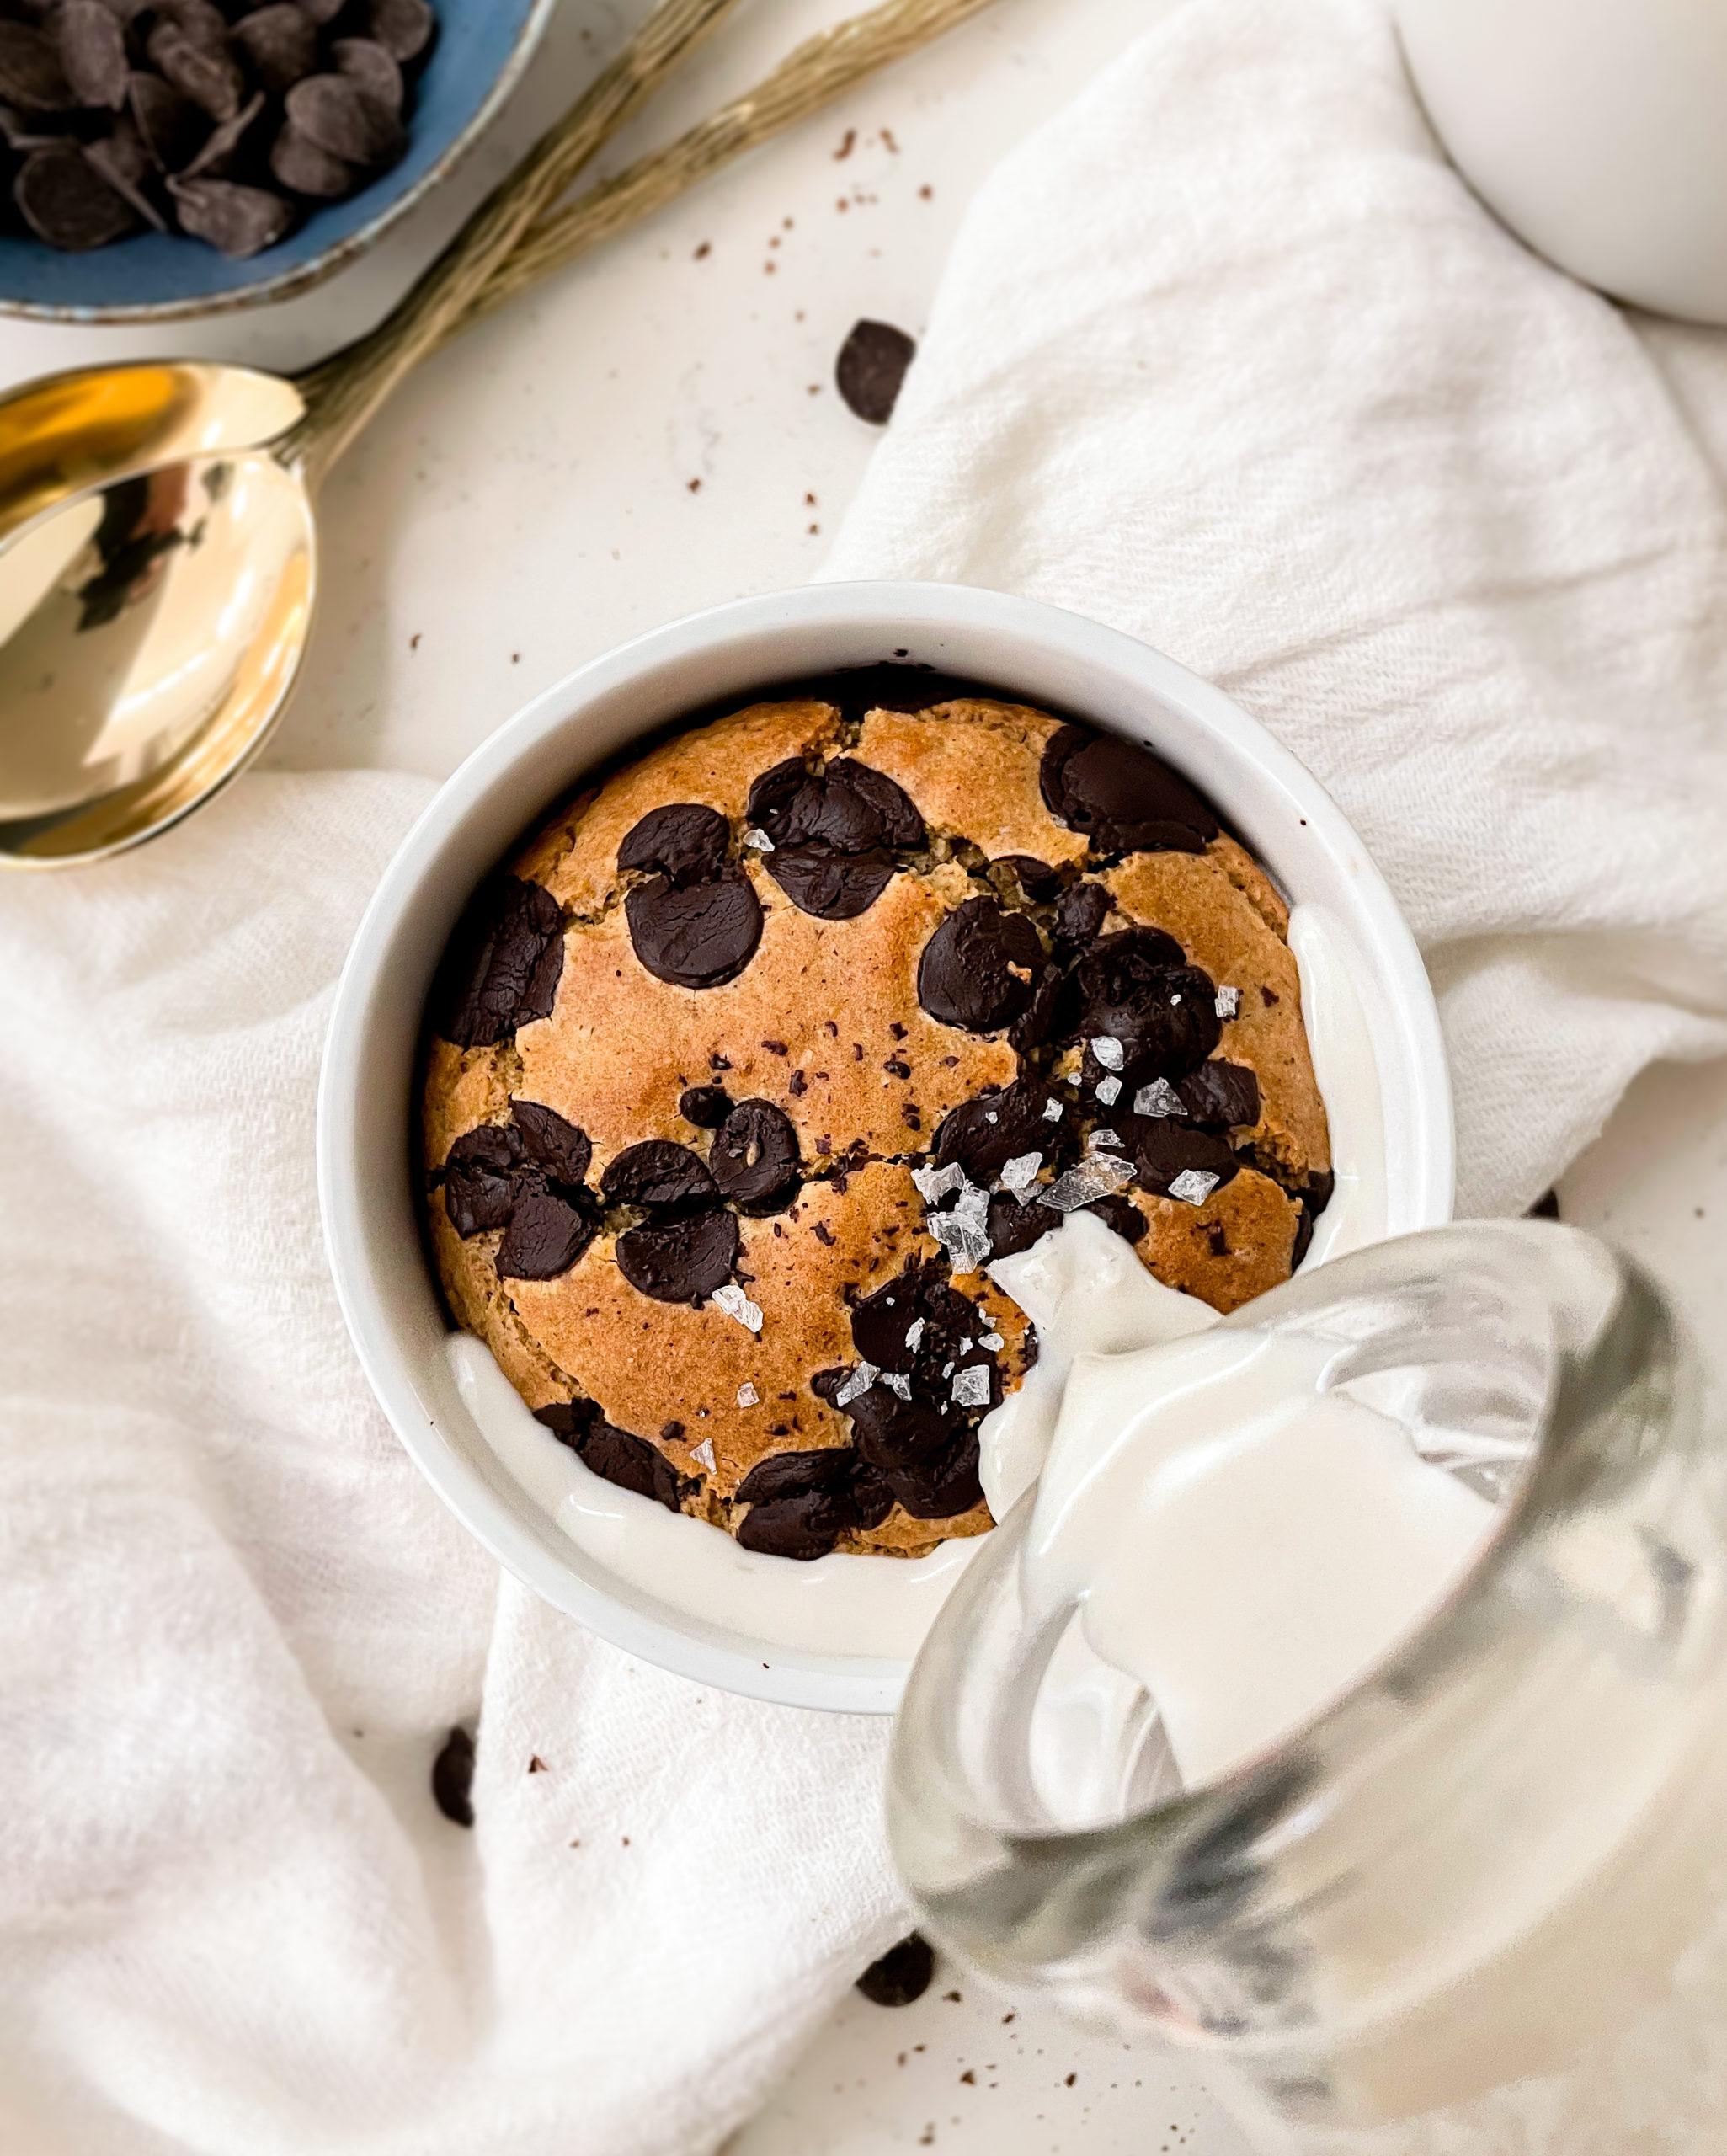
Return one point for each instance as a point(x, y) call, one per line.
point(286, 283)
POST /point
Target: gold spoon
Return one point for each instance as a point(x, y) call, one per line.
point(157, 547)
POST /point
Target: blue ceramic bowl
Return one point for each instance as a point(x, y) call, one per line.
point(481, 50)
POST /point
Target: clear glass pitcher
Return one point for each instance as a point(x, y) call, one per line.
point(1480, 1903)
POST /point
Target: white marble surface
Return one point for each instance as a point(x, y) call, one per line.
point(527, 501)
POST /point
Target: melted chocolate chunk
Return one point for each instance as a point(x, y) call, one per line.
point(826, 1468)
point(547, 1233)
point(1014, 1227)
point(480, 1178)
point(978, 969)
point(1122, 1214)
point(698, 937)
point(831, 886)
point(706, 1106)
point(659, 1174)
point(891, 1434)
point(880, 1321)
point(631, 1463)
point(552, 1144)
point(755, 1156)
point(802, 1528)
point(1164, 1149)
point(1163, 1015)
point(833, 833)
point(984, 1134)
point(453, 1779)
point(569, 1421)
point(1224, 1094)
point(686, 840)
point(944, 1487)
point(1081, 912)
point(503, 963)
point(1037, 878)
point(871, 367)
point(1124, 798)
point(680, 1261)
point(902, 1973)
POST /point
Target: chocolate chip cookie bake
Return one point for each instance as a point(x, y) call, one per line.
point(744, 1068)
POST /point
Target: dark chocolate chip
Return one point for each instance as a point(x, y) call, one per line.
point(550, 1143)
point(123, 162)
point(92, 51)
point(224, 150)
point(684, 840)
point(335, 114)
point(280, 43)
point(403, 27)
point(1164, 1149)
point(480, 1178)
point(978, 969)
point(656, 1172)
point(680, 1260)
point(201, 20)
point(1224, 1094)
point(1122, 797)
point(299, 164)
point(171, 128)
point(831, 886)
point(323, 12)
point(902, 1973)
point(755, 1156)
point(706, 1106)
point(31, 75)
point(697, 937)
point(871, 367)
point(942, 1487)
point(984, 1134)
point(547, 1233)
point(1037, 878)
point(210, 76)
point(65, 201)
point(1014, 1227)
point(1119, 1212)
point(373, 66)
point(630, 1462)
point(503, 963)
point(453, 1779)
point(238, 220)
point(1081, 912)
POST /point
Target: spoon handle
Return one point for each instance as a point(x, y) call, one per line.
point(342, 393)
point(814, 74)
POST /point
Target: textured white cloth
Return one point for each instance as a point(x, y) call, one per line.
point(1226, 356)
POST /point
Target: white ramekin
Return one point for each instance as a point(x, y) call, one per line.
point(365, 1104)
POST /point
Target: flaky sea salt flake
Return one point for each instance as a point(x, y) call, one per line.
point(1160, 1097)
point(1228, 1003)
point(747, 1396)
point(703, 1453)
point(732, 1299)
point(1109, 1090)
point(1052, 1111)
point(1020, 1172)
point(994, 1342)
point(1193, 1186)
point(1101, 1175)
point(896, 1383)
point(1103, 1137)
point(914, 1334)
point(971, 1387)
point(1108, 1051)
point(934, 1184)
point(758, 842)
point(966, 1244)
point(859, 1383)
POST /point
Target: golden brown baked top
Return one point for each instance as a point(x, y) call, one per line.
point(758, 1053)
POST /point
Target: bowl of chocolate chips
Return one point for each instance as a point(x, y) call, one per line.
point(169, 157)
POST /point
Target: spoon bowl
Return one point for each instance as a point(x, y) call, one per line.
point(150, 628)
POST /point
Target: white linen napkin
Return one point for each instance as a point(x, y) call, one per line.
point(1226, 355)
